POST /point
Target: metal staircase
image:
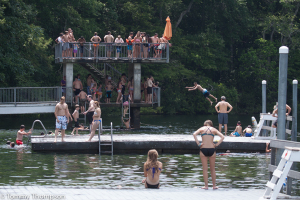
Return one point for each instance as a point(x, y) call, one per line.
point(101, 70)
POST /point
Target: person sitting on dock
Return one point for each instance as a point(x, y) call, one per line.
point(126, 122)
point(248, 131)
point(20, 134)
point(152, 170)
point(76, 118)
point(208, 150)
point(238, 130)
point(203, 90)
point(223, 113)
point(96, 120)
point(62, 116)
point(275, 113)
point(96, 40)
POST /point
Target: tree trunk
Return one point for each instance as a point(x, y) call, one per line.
point(183, 13)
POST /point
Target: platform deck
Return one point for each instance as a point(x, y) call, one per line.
point(135, 143)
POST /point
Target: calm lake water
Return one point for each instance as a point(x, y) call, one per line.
point(21, 166)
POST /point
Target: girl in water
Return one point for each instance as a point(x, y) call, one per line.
point(96, 120)
point(152, 170)
point(208, 150)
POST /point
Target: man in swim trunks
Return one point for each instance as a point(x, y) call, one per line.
point(82, 99)
point(65, 39)
point(275, 113)
point(155, 39)
point(96, 40)
point(21, 132)
point(62, 116)
point(203, 90)
point(77, 87)
point(71, 40)
point(81, 40)
point(90, 112)
point(109, 39)
point(129, 45)
point(223, 113)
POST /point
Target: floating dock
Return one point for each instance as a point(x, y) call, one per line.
point(141, 143)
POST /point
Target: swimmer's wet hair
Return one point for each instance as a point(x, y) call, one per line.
point(239, 123)
point(249, 126)
point(12, 144)
point(208, 123)
point(22, 126)
point(62, 98)
point(223, 98)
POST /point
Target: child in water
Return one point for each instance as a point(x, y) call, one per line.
point(152, 170)
point(248, 131)
point(238, 130)
point(20, 134)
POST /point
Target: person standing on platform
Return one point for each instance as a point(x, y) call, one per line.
point(96, 119)
point(129, 44)
point(109, 39)
point(77, 87)
point(96, 40)
point(81, 41)
point(82, 99)
point(275, 113)
point(123, 80)
point(118, 42)
point(223, 113)
point(62, 116)
point(88, 83)
point(208, 150)
point(90, 112)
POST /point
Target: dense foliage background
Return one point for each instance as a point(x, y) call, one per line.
point(228, 46)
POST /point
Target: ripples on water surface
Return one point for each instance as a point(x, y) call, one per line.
point(21, 166)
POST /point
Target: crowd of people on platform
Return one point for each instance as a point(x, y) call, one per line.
point(138, 46)
point(124, 88)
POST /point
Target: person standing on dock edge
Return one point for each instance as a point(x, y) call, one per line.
point(208, 150)
point(90, 112)
point(223, 113)
point(62, 116)
point(95, 119)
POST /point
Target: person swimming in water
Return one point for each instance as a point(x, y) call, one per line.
point(208, 150)
point(203, 90)
point(152, 170)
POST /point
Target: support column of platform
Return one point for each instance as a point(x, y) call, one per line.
point(68, 70)
point(134, 71)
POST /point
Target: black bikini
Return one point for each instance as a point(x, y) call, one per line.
point(153, 172)
point(208, 152)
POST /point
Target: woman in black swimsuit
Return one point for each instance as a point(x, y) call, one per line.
point(208, 150)
point(152, 169)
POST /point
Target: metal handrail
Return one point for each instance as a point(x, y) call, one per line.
point(29, 137)
point(146, 51)
point(30, 94)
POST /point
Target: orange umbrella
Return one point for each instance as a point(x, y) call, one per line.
point(168, 29)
